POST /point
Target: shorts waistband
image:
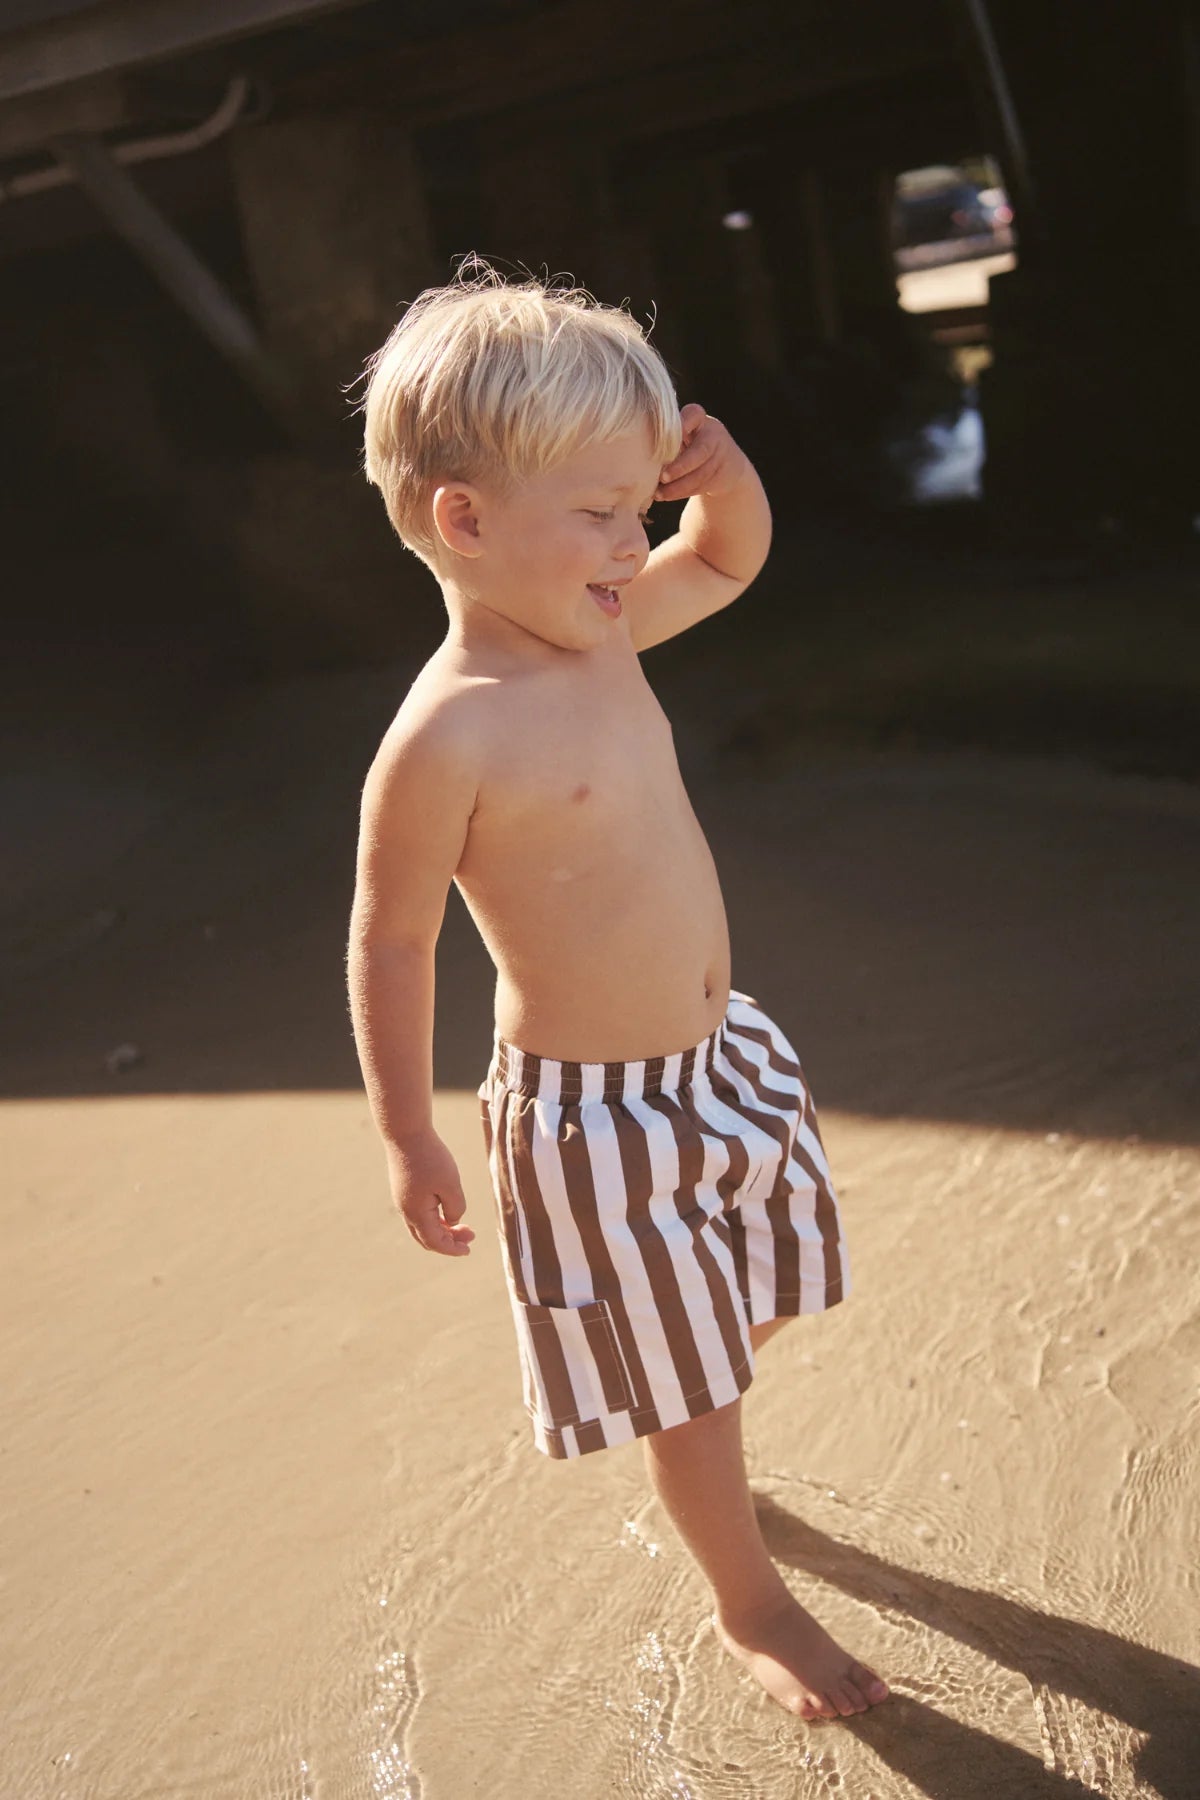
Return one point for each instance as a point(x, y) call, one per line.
point(521, 1072)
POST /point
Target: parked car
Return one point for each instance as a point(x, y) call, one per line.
point(939, 204)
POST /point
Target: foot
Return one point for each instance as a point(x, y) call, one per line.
point(798, 1662)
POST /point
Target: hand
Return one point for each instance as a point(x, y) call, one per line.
point(709, 462)
point(428, 1193)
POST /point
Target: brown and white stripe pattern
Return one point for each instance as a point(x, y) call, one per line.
point(649, 1212)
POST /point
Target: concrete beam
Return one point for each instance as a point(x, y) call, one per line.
point(748, 78)
point(336, 234)
point(125, 33)
point(691, 61)
point(188, 280)
point(94, 106)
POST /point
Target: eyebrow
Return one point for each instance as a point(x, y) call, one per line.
point(623, 487)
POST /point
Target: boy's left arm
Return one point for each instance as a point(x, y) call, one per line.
point(723, 538)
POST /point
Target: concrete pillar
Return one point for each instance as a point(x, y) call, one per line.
point(1091, 406)
point(337, 239)
point(578, 212)
point(786, 195)
point(336, 235)
point(562, 210)
point(533, 200)
point(685, 199)
point(857, 198)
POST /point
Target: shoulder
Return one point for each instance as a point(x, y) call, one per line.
point(446, 713)
point(437, 738)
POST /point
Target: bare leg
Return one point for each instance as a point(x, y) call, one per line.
point(698, 1471)
point(760, 1333)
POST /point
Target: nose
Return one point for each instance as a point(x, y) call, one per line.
point(635, 543)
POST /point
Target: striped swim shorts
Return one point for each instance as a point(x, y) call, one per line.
point(649, 1213)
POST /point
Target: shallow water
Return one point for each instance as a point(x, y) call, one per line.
point(274, 1526)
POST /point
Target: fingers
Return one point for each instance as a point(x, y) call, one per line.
point(452, 1204)
point(691, 418)
point(695, 450)
point(435, 1225)
point(688, 474)
point(441, 1239)
point(709, 462)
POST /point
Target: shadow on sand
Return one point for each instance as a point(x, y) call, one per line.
point(1158, 1696)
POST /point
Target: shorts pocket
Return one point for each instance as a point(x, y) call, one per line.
point(573, 1362)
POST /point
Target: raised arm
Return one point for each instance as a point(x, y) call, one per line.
point(416, 807)
point(722, 542)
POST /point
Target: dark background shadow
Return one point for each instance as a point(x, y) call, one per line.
point(943, 931)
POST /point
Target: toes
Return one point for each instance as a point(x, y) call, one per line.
point(810, 1706)
point(869, 1682)
point(856, 1699)
point(824, 1706)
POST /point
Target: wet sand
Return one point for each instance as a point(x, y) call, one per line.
point(272, 1519)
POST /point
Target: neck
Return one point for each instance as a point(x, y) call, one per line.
point(478, 629)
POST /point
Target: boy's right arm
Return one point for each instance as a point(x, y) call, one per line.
point(416, 807)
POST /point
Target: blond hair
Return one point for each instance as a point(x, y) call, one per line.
point(494, 380)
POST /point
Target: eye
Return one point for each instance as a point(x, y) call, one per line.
point(596, 513)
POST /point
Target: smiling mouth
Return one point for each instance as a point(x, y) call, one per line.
point(607, 599)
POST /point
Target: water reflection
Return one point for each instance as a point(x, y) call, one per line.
point(1096, 1691)
point(939, 457)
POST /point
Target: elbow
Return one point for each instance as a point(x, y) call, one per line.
point(373, 947)
point(374, 940)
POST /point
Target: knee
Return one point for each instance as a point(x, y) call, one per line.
point(677, 1444)
point(760, 1333)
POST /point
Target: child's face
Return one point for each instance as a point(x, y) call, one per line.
point(550, 552)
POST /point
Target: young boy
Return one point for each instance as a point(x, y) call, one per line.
point(663, 1197)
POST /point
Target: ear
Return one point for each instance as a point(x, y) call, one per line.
point(456, 517)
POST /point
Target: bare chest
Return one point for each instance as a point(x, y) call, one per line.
point(579, 773)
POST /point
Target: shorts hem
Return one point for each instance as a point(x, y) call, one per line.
point(801, 1305)
point(609, 1431)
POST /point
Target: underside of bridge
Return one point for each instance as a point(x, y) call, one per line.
point(210, 216)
